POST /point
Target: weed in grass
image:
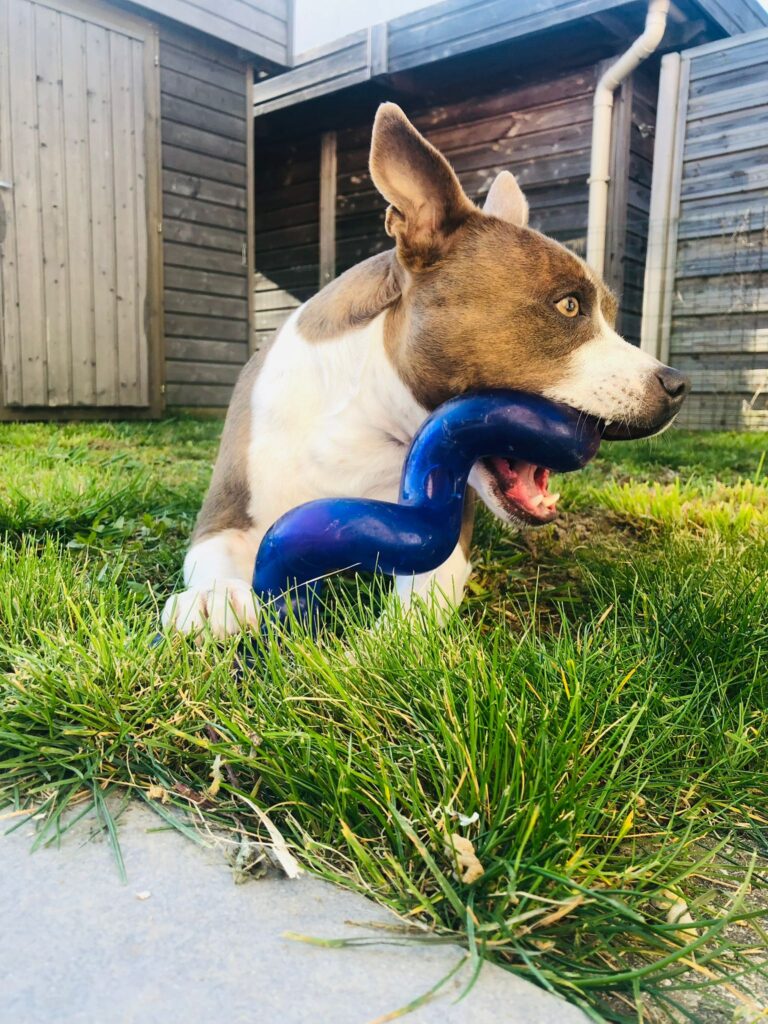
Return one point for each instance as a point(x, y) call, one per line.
point(594, 721)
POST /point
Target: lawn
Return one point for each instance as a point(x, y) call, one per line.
point(594, 722)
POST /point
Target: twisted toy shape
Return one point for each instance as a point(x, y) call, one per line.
point(419, 532)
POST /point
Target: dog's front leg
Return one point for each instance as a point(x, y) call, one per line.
point(217, 576)
point(443, 587)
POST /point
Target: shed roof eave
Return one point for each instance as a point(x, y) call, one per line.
point(260, 28)
point(449, 29)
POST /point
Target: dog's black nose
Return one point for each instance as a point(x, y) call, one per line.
point(675, 384)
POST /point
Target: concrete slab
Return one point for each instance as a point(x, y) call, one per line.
point(182, 943)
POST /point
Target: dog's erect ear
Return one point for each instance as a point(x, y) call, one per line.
point(427, 203)
point(506, 201)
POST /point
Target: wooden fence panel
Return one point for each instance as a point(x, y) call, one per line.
point(74, 263)
point(714, 257)
point(205, 124)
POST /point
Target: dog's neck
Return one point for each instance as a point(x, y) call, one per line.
point(357, 326)
point(354, 299)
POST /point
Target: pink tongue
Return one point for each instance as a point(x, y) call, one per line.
point(519, 483)
point(516, 480)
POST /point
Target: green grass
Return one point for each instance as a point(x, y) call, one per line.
point(598, 710)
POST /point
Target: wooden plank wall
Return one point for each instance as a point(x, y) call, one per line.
point(205, 123)
point(736, 16)
point(260, 26)
point(541, 133)
point(287, 213)
point(78, 141)
point(719, 326)
point(630, 197)
point(442, 30)
point(337, 65)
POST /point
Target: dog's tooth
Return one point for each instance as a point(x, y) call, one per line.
point(551, 499)
point(538, 500)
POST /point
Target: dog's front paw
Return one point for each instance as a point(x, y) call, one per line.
point(225, 607)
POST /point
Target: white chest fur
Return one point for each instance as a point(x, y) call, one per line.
point(328, 418)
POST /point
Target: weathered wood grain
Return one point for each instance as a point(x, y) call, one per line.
point(187, 279)
point(717, 321)
point(102, 207)
point(193, 60)
point(11, 383)
point(129, 319)
point(279, 298)
point(206, 351)
point(205, 304)
point(240, 22)
point(190, 162)
point(737, 253)
point(52, 159)
point(727, 335)
point(206, 112)
point(202, 396)
point(193, 186)
point(196, 211)
point(193, 233)
point(201, 92)
point(327, 208)
point(25, 375)
point(193, 256)
point(721, 293)
point(200, 141)
point(445, 32)
point(189, 113)
point(189, 372)
point(182, 325)
point(730, 58)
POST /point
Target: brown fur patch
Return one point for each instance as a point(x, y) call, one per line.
point(229, 496)
point(485, 317)
point(353, 299)
point(427, 202)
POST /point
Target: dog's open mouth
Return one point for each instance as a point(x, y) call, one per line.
point(522, 488)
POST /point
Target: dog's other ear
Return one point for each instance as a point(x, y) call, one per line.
point(427, 203)
point(506, 201)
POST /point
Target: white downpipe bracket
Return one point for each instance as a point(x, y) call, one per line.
point(602, 110)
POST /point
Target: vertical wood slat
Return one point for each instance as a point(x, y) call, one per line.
point(250, 240)
point(129, 335)
point(31, 388)
point(616, 233)
point(141, 124)
point(668, 286)
point(52, 200)
point(102, 205)
point(77, 84)
point(658, 218)
point(327, 207)
point(78, 212)
point(207, 217)
point(10, 337)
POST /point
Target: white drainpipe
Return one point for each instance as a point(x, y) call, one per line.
point(602, 107)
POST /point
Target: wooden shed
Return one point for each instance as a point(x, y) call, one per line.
point(126, 200)
point(495, 86)
point(173, 182)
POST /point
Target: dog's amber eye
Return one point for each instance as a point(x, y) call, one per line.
point(568, 306)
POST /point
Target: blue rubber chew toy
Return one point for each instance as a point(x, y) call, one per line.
point(419, 532)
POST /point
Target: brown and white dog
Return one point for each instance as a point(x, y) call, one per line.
point(468, 298)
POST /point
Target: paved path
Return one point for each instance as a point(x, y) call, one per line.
point(181, 943)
